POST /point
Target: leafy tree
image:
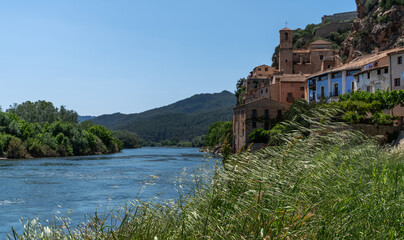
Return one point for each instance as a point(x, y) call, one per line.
point(240, 92)
point(20, 138)
point(42, 112)
point(360, 105)
point(218, 133)
point(129, 139)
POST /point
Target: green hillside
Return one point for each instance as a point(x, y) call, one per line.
point(180, 121)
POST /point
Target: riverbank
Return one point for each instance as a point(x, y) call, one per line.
point(329, 184)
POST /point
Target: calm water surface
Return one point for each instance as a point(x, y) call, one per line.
point(52, 186)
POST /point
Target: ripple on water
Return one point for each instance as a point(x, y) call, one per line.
point(10, 202)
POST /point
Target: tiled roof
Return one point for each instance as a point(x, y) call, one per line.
point(359, 62)
point(320, 42)
point(294, 77)
point(286, 29)
point(371, 69)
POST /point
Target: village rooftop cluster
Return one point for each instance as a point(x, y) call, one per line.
point(314, 73)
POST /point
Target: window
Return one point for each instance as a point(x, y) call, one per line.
point(352, 86)
point(386, 70)
point(286, 36)
point(259, 69)
point(292, 84)
point(254, 113)
point(266, 114)
point(368, 75)
point(321, 57)
point(254, 124)
point(397, 82)
point(266, 90)
point(302, 87)
point(329, 66)
point(290, 97)
point(286, 60)
point(335, 93)
point(266, 126)
point(369, 88)
point(379, 71)
point(322, 92)
point(262, 91)
point(279, 113)
point(400, 60)
point(266, 69)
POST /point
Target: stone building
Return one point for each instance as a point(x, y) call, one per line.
point(252, 115)
point(288, 88)
point(318, 55)
point(261, 72)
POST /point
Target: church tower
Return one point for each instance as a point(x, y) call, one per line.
point(285, 51)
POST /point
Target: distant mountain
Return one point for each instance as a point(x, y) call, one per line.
point(85, 118)
point(183, 120)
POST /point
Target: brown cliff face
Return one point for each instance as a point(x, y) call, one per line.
point(378, 25)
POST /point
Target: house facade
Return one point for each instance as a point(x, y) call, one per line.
point(396, 67)
point(253, 115)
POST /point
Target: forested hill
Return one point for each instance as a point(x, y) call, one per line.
point(183, 120)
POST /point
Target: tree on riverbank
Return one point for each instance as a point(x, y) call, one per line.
point(57, 134)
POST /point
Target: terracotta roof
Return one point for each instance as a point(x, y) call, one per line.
point(358, 62)
point(301, 51)
point(371, 69)
point(294, 77)
point(320, 42)
point(398, 51)
point(263, 65)
point(286, 29)
point(323, 50)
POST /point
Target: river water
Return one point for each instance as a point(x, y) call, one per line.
point(52, 186)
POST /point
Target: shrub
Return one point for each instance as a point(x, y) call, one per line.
point(16, 149)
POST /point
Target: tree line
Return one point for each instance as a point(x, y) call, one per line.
point(38, 129)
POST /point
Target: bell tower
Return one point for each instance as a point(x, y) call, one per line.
point(285, 51)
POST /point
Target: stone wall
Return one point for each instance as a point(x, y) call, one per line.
point(346, 16)
point(324, 31)
point(387, 132)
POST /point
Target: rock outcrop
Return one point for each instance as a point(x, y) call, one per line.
point(380, 24)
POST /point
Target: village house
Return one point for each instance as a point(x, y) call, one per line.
point(366, 73)
point(253, 115)
point(396, 66)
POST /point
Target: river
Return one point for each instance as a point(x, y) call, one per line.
point(47, 187)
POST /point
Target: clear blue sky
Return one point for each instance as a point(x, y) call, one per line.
point(99, 57)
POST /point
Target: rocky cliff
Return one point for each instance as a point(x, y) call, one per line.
point(380, 24)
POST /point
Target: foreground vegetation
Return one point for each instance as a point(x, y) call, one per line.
point(38, 129)
point(321, 182)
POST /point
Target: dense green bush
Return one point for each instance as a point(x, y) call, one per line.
point(366, 107)
point(20, 139)
point(218, 133)
point(129, 139)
